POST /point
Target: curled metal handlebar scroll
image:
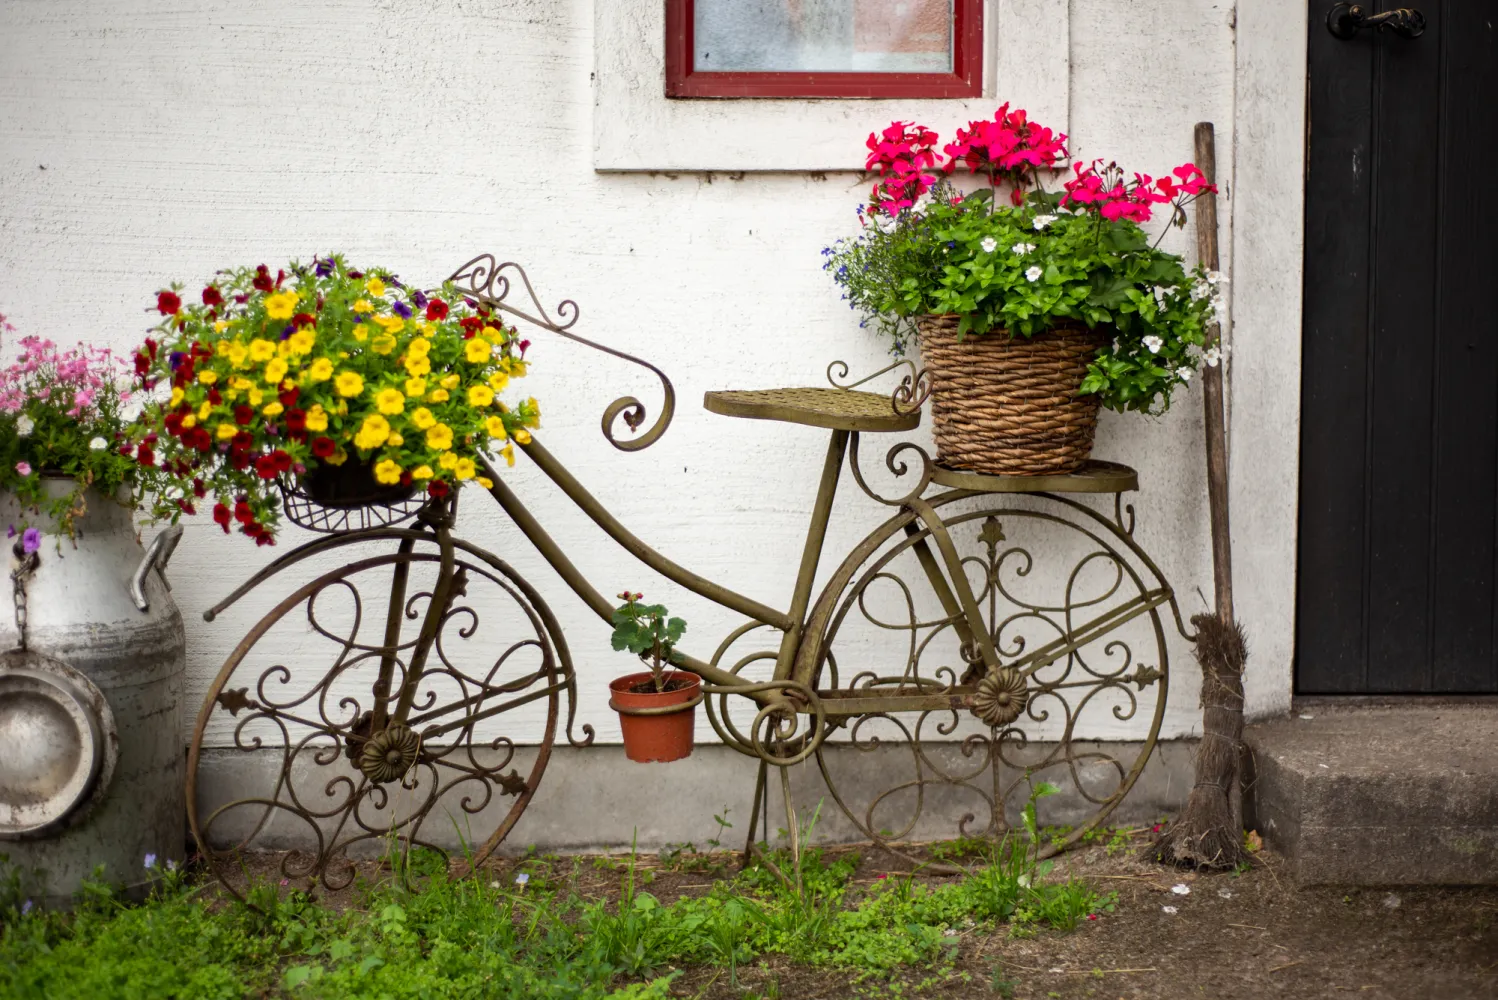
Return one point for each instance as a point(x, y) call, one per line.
point(489, 281)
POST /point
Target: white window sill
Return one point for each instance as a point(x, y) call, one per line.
point(636, 127)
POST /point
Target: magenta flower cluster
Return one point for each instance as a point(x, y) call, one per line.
point(71, 380)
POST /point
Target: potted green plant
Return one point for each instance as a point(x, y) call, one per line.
point(657, 708)
point(334, 381)
point(1030, 311)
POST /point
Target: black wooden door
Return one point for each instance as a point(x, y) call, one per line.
point(1398, 543)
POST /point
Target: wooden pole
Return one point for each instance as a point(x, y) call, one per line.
point(1212, 395)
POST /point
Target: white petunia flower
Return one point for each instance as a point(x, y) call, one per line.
point(1021, 249)
point(989, 244)
point(1184, 374)
point(97, 444)
point(1041, 221)
point(24, 425)
point(1154, 343)
point(1034, 272)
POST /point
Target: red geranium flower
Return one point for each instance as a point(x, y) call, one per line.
point(436, 310)
point(167, 303)
point(212, 297)
point(322, 447)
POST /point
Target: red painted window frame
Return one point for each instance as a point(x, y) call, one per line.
point(966, 80)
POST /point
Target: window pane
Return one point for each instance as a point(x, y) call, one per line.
point(828, 36)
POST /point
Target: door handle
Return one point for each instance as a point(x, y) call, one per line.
point(1345, 20)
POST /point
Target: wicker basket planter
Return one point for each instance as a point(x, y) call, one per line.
point(1009, 406)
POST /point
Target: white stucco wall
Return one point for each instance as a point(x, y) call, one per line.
point(140, 145)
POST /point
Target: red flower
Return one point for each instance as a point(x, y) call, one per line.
point(436, 310)
point(262, 280)
point(173, 424)
point(243, 414)
point(303, 319)
point(242, 513)
point(198, 489)
point(322, 447)
point(167, 303)
point(212, 297)
point(142, 364)
point(214, 396)
point(186, 506)
point(145, 456)
point(296, 420)
point(471, 325)
point(201, 439)
point(289, 397)
point(221, 516)
point(243, 440)
point(265, 467)
point(239, 458)
point(437, 488)
point(281, 459)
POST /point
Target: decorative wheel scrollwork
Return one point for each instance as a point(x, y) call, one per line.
point(1001, 697)
point(421, 714)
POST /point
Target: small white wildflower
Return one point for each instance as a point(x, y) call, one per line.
point(97, 444)
point(989, 244)
point(1211, 356)
point(1021, 249)
point(1391, 901)
point(24, 425)
point(1200, 290)
point(1216, 278)
point(1023, 881)
point(171, 866)
point(1041, 221)
point(1184, 374)
point(1181, 889)
point(1219, 312)
point(522, 879)
point(494, 884)
point(1034, 272)
point(1154, 343)
point(1225, 893)
point(949, 932)
point(1170, 909)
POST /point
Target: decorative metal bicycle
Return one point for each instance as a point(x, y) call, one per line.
point(944, 649)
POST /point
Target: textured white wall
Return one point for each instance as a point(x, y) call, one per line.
point(140, 144)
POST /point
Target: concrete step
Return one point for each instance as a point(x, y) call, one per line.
point(1379, 794)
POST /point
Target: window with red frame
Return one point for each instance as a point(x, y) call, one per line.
point(824, 48)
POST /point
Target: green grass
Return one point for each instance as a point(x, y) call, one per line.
point(418, 934)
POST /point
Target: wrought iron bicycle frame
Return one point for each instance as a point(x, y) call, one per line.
point(794, 716)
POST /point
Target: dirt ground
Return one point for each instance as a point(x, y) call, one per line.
point(1250, 935)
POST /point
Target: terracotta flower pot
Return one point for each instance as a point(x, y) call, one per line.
point(656, 736)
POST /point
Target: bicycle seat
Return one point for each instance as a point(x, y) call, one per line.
point(837, 409)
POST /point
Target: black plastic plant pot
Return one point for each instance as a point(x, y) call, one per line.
point(351, 484)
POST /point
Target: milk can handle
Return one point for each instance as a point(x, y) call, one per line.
point(158, 554)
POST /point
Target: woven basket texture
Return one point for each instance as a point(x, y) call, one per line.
point(1006, 405)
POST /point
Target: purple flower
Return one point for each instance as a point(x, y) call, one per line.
point(419, 299)
point(290, 329)
point(401, 309)
point(150, 861)
point(324, 268)
point(10, 532)
point(395, 281)
point(175, 359)
point(31, 540)
point(26, 907)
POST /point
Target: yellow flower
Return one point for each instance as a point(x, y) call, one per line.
point(360, 332)
point(255, 396)
point(242, 384)
point(438, 396)
point(439, 437)
point(283, 349)
point(219, 326)
point(261, 350)
point(449, 381)
point(422, 418)
point(416, 387)
point(363, 306)
point(275, 371)
point(204, 410)
point(477, 351)
point(485, 482)
point(349, 383)
point(392, 324)
point(422, 472)
point(419, 348)
point(395, 440)
point(301, 342)
point(226, 431)
point(317, 418)
point(494, 335)
point(417, 366)
point(177, 395)
point(509, 455)
point(523, 436)
point(280, 305)
point(376, 287)
point(273, 409)
point(239, 355)
point(320, 370)
point(390, 401)
point(427, 328)
point(207, 378)
point(387, 472)
point(480, 395)
point(498, 381)
point(464, 469)
point(337, 458)
point(448, 460)
point(383, 344)
point(496, 428)
point(372, 433)
point(189, 421)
